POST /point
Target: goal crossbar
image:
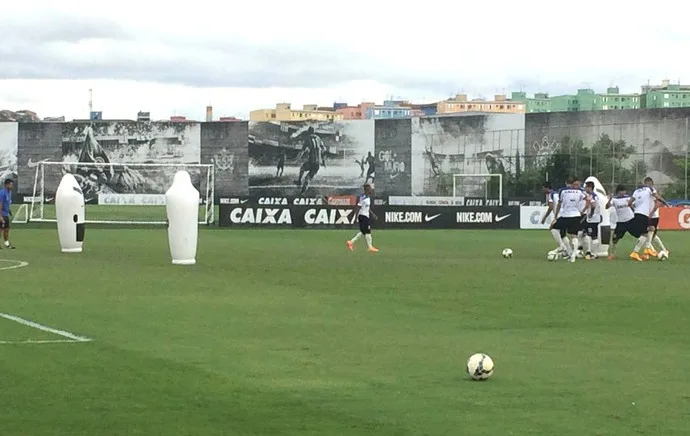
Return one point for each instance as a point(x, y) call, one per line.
point(485, 184)
point(145, 185)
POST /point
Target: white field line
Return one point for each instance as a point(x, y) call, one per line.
point(71, 336)
point(48, 341)
point(17, 264)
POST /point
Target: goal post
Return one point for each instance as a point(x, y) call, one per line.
point(120, 193)
point(487, 186)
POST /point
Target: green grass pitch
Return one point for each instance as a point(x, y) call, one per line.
point(288, 333)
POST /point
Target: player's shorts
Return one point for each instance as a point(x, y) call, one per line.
point(639, 225)
point(568, 225)
point(6, 223)
point(621, 229)
point(311, 169)
point(364, 224)
point(592, 230)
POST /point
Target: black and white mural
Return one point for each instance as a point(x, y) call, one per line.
point(9, 137)
point(310, 158)
point(224, 144)
point(393, 157)
point(471, 144)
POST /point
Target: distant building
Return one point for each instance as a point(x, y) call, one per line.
point(143, 117)
point(284, 112)
point(587, 100)
point(209, 113)
point(96, 115)
point(666, 95)
point(389, 110)
point(539, 103)
point(54, 119)
point(422, 110)
point(178, 119)
point(499, 104)
point(229, 119)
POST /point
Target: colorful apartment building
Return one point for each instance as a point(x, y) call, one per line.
point(460, 103)
point(284, 112)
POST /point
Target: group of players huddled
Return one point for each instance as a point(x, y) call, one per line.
point(577, 214)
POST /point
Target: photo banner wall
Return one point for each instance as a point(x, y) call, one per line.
point(469, 144)
point(9, 138)
point(393, 157)
point(105, 145)
point(414, 157)
point(616, 146)
point(310, 158)
point(225, 146)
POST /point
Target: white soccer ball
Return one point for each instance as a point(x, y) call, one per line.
point(662, 255)
point(507, 253)
point(480, 366)
point(553, 255)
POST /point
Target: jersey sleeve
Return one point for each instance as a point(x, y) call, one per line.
point(360, 201)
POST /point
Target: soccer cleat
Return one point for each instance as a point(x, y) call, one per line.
point(350, 246)
point(650, 252)
point(589, 256)
point(612, 257)
point(635, 256)
point(373, 250)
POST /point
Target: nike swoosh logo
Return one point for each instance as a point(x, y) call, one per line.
point(243, 201)
point(501, 218)
point(428, 218)
point(48, 200)
point(394, 175)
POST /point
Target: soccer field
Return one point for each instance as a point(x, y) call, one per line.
point(288, 333)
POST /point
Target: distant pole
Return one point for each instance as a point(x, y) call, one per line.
point(687, 145)
point(90, 102)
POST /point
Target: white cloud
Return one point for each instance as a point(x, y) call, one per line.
point(177, 58)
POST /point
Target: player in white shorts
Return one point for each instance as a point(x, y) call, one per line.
point(643, 203)
point(624, 216)
point(592, 220)
point(569, 212)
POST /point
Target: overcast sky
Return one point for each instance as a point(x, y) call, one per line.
point(172, 57)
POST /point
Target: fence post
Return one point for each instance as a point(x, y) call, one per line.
point(687, 145)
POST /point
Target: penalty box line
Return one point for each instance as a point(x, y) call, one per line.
point(69, 337)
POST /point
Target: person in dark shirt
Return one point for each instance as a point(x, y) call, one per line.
point(6, 205)
point(314, 148)
point(281, 164)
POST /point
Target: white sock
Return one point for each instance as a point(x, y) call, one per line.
point(612, 249)
point(640, 243)
point(557, 237)
point(657, 239)
point(649, 243)
point(368, 239)
point(356, 237)
point(588, 243)
point(565, 244)
point(575, 242)
point(7, 243)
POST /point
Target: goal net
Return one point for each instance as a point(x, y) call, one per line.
point(119, 193)
point(486, 186)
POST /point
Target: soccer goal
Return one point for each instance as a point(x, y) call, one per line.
point(119, 193)
point(487, 186)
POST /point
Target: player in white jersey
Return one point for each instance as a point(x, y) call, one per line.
point(643, 203)
point(624, 217)
point(552, 203)
point(654, 225)
point(364, 217)
point(592, 220)
point(569, 212)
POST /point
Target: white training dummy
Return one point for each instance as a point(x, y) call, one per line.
point(600, 244)
point(182, 207)
point(69, 211)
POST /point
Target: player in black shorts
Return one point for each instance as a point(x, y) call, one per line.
point(314, 146)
